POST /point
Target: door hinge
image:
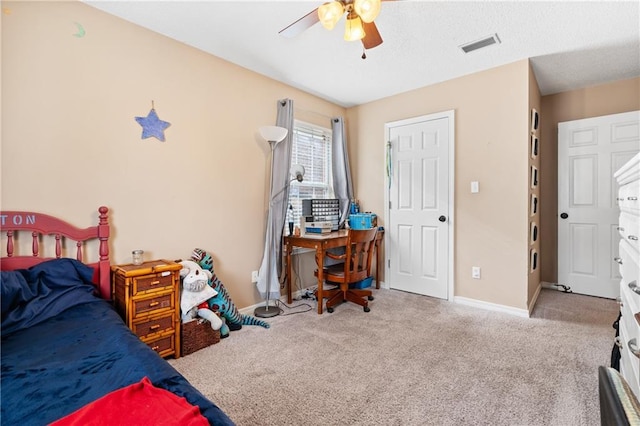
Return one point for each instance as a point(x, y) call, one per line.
point(389, 205)
point(389, 263)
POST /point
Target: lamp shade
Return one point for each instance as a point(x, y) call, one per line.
point(353, 29)
point(273, 133)
point(297, 171)
point(330, 13)
point(368, 10)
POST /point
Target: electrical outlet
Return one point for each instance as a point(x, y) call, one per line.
point(254, 276)
point(475, 272)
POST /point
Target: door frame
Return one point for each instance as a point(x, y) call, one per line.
point(585, 123)
point(450, 114)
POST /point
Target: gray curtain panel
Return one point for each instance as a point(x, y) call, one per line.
point(342, 185)
point(268, 284)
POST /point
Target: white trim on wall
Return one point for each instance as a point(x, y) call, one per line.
point(492, 306)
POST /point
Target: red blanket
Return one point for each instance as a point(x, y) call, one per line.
point(137, 404)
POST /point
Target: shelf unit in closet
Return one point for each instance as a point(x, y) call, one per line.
point(534, 191)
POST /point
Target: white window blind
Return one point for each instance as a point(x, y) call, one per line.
point(311, 147)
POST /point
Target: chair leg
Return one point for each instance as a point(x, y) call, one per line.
point(344, 293)
point(355, 298)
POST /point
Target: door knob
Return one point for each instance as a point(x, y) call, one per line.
point(442, 218)
point(564, 215)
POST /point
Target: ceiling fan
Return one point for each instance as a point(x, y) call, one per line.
point(359, 24)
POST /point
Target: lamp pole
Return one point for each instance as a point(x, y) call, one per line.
point(273, 134)
point(264, 311)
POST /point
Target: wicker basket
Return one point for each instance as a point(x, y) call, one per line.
point(197, 334)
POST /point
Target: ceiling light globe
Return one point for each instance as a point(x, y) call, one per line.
point(353, 30)
point(368, 10)
point(330, 13)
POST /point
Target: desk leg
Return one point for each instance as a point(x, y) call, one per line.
point(377, 264)
point(287, 250)
point(320, 263)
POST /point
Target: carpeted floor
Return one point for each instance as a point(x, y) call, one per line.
point(413, 360)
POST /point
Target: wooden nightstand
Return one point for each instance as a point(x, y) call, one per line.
point(147, 297)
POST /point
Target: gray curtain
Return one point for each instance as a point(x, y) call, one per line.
point(271, 266)
point(342, 185)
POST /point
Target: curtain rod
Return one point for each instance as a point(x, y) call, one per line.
point(312, 112)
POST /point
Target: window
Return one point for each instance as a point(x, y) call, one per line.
point(311, 147)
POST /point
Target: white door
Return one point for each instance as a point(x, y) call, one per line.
point(419, 215)
point(589, 153)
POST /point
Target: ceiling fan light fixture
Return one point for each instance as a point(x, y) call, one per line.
point(330, 13)
point(353, 30)
point(368, 10)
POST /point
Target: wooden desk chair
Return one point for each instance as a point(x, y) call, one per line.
point(356, 267)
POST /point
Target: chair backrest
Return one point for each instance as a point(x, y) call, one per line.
point(618, 404)
point(359, 254)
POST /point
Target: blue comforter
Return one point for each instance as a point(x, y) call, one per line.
point(63, 348)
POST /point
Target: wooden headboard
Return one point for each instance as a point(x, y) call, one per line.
point(39, 225)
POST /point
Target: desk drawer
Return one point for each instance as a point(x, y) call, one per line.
point(629, 258)
point(628, 197)
point(628, 362)
point(159, 302)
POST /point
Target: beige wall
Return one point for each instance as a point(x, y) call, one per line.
point(610, 98)
point(70, 142)
point(491, 146)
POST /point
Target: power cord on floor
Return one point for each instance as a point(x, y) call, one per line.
point(279, 303)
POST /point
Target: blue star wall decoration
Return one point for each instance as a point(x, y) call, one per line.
point(152, 126)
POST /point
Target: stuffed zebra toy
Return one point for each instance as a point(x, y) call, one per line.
point(222, 302)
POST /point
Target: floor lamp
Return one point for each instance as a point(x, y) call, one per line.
point(273, 135)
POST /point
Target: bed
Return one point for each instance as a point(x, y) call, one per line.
point(67, 356)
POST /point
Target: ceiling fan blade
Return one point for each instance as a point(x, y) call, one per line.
point(307, 21)
point(372, 37)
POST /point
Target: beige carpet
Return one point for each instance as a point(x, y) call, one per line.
point(413, 360)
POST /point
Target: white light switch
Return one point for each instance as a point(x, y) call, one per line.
point(475, 187)
point(475, 272)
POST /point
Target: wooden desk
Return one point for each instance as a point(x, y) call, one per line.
point(322, 243)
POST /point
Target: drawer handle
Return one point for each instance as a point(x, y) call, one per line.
point(633, 348)
point(616, 341)
point(156, 282)
point(632, 238)
point(633, 285)
point(154, 327)
point(152, 304)
point(155, 348)
point(618, 260)
point(632, 198)
point(620, 228)
point(620, 198)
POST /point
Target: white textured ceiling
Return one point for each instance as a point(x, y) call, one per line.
point(571, 44)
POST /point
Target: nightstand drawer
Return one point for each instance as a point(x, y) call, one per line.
point(156, 282)
point(164, 301)
point(155, 324)
point(163, 345)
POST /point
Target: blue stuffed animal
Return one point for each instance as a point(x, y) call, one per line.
point(222, 303)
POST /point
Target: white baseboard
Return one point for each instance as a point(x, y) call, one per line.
point(492, 306)
point(283, 298)
point(296, 296)
point(532, 304)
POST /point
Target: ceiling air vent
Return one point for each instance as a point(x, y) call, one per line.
point(479, 44)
